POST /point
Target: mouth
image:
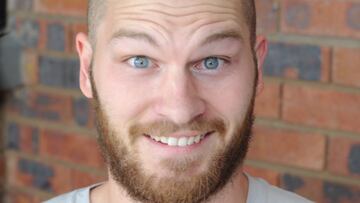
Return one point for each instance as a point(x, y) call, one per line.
point(180, 141)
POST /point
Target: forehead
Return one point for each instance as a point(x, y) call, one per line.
point(176, 4)
point(167, 17)
point(175, 8)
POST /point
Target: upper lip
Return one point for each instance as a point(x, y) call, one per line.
point(184, 134)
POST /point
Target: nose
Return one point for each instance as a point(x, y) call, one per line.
point(179, 99)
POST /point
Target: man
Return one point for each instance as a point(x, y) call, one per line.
point(173, 84)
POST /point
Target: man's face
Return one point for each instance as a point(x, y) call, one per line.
point(173, 83)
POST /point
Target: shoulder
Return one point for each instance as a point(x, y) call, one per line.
point(260, 192)
point(81, 195)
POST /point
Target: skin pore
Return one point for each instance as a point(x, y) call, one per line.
point(173, 69)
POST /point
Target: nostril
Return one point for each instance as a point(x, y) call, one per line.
point(179, 109)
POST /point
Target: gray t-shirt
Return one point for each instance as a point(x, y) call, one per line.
point(259, 192)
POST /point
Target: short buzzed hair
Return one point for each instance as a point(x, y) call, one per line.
point(96, 9)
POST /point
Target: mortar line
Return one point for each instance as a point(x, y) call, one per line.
point(317, 84)
point(314, 40)
point(47, 125)
point(306, 129)
point(56, 161)
point(49, 17)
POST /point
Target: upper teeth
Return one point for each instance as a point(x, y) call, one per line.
point(181, 141)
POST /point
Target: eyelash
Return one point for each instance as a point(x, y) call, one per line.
point(226, 61)
point(152, 62)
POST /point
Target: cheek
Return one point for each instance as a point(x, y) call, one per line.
point(232, 98)
point(121, 102)
point(121, 97)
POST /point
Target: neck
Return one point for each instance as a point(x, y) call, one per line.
point(235, 191)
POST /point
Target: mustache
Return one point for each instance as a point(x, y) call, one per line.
point(165, 127)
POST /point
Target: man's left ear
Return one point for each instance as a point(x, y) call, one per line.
point(261, 49)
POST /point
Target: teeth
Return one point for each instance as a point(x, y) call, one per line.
point(190, 140)
point(180, 142)
point(164, 140)
point(197, 139)
point(172, 141)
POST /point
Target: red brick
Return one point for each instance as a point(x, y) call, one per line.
point(11, 169)
point(45, 103)
point(325, 64)
point(42, 34)
point(84, 113)
point(14, 136)
point(29, 139)
point(21, 197)
point(321, 17)
point(59, 72)
point(298, 61)
point(321, 107)
point(30, 67)
point(2, 169)
point(306, 150)
point(79, 149)
point(270, 176)
point(27, 32)
point(307, 187)
point(42, 105)
point(346, 66)
point(343, 156)
point(81, 179)
point(321, 190)
point(64, 7)
point(56, 37)
point(31, 33)
point(59, 181)
point(267, 16)
point(268, 101)
point(291, 73)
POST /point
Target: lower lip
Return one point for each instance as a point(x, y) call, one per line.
point(177, 149)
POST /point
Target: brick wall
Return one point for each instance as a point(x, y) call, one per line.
point(307, 136)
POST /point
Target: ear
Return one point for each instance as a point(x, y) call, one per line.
point(261, 49)
point(85, 53)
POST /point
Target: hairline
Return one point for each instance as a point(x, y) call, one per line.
point(96, 10)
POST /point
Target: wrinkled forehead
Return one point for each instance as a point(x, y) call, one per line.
point(166, 17)
point(171, 5)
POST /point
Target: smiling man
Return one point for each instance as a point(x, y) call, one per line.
point(173, 84)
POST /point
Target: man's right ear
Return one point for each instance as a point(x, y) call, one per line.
point(85, 53)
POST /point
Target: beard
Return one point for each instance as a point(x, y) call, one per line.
point(127, 170)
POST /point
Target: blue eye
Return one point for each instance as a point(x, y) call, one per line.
point(140, 62)
point(211, 63)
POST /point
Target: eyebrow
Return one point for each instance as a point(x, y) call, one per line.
point(123, 33)
point(227, 34)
